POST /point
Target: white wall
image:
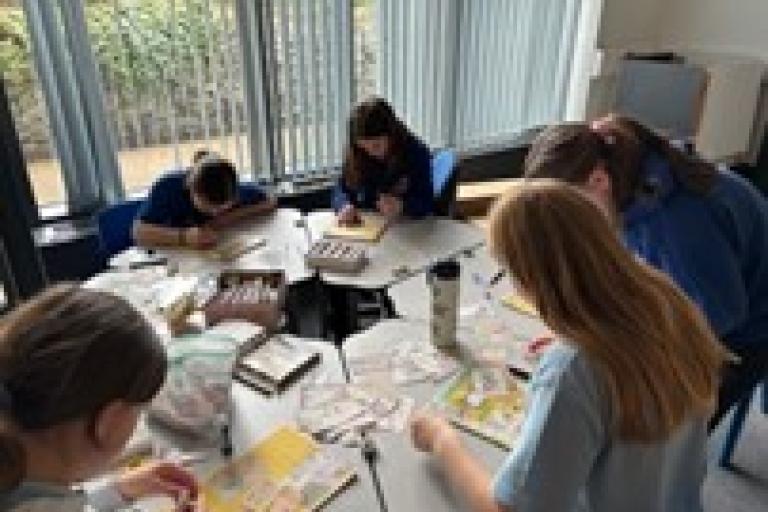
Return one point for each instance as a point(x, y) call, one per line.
point(729, 37)
point(629, 24)
point(738, 27)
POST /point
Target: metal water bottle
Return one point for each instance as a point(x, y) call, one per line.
point(443, 280)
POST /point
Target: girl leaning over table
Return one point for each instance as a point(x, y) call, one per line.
point(619, 404)
point(386, 167)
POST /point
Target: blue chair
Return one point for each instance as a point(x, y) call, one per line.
point(115, 225)
point(444, 177)
point(737, 424)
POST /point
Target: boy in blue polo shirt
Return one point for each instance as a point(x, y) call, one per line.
point(186, 208)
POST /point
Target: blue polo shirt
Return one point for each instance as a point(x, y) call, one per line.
point(410, 179)
point(714, 246)
point(169, 202)
point(567, 457)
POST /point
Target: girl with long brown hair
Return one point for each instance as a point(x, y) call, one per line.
point(618, 405)
point(386, 167)
point(706, 227)
point(76, 368)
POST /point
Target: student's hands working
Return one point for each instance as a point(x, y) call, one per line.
point(162, 479)
point(349, 216)
point(435, 436)
point(389, 206)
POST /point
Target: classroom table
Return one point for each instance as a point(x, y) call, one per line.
point(286, 236)
point(406, 248)
point(410, 480)
point(255, 416)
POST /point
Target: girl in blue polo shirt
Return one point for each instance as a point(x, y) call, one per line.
point(618, 406)
point(186, 208)
point(706, 227)
point(386, 167)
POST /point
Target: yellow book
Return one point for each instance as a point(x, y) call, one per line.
point(288, 469)
point(517, 303)
point(370, 229)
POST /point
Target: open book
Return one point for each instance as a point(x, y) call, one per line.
point(485, 401)
point(370, 229)
point(285, 471)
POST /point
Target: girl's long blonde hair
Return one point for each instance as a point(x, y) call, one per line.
point(654, 351)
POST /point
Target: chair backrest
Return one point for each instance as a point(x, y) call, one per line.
point(115, 225)
point(444, 178)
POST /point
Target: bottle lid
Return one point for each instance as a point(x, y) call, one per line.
point(445, 269)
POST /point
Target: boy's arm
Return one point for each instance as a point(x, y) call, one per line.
point(239, 213)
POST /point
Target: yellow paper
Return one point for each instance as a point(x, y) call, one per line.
point(519, 304)
point(287, 464)
point(370, 229)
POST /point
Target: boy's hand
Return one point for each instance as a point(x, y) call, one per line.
point(389, 206)
point(161, 479)
point(431, 433)
point(198, 237)
point(348, 216)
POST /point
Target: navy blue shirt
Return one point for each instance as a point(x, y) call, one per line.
point(410, 180)
point(714, 246)
point(169, 202)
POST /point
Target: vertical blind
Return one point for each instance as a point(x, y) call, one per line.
point(139, 85)
point(468, 73)
point(308, 51)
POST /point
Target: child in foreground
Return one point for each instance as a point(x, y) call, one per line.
point(619, 405)
point(76, 368)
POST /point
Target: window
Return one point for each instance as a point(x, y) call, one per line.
point(135, 87)
point(172, 83)
point(28, 105)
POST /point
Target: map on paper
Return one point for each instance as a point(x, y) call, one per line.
point(285, 471)
point(405, 363)
point(370, 229)
point(343, 412)
point(485, 401)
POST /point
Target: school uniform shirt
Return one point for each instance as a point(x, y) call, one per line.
point(714, 246)
point(566, 458)
point(101, 496)
point(169, 202)
point(411, 181)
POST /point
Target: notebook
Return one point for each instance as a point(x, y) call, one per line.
point(271, 367)
point(285, 471)
point(484, 401)
point(370, 229)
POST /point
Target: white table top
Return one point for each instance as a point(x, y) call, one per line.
point(256, 415)
point(410, 480)
point(412, 301)
point(406, 248)
point(286, 243)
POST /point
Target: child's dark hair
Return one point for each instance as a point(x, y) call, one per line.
point(213, 177)
point(570, 151)
point(372, 118)
point(65, 355)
